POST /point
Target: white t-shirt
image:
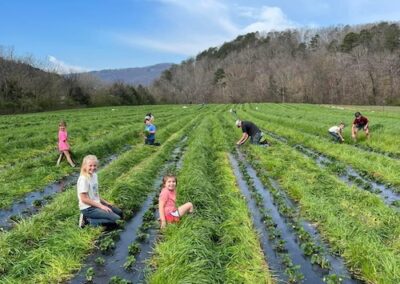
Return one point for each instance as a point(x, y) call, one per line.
point(91, 187)
point(335, 129)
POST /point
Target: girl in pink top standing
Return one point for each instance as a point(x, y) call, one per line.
point(166, 205)
point(63, 146)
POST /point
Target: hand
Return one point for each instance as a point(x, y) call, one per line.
point(342, 139)
point(105, 208)
point(163, 224)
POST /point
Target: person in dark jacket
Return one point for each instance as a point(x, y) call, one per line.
point(251, 130)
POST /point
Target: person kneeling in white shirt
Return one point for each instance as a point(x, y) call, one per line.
point(94, 209)
point(336, 132)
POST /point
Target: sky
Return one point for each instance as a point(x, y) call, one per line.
point(84, 35)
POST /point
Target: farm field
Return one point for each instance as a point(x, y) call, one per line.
point(304, 210)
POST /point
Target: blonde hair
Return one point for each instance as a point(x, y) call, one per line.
point(62, 123)
point(85, 162)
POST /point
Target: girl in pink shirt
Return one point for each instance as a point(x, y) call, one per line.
point(63, 145)
point(166, 205)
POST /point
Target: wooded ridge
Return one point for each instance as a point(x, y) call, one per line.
point(24, 88)
point(336, 65)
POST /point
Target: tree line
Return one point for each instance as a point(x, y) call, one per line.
point(335, 65)
point(25, 88)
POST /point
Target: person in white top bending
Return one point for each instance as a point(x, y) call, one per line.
point(337, 132)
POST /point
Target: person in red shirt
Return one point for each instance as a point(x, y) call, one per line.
point(166, 202)
point(359, 123)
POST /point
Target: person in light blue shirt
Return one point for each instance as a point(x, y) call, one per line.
point(150, 132)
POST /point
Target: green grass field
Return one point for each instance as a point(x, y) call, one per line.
point(221, 242)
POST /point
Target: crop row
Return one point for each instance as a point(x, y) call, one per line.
point(133, 242)
point(293, 248)
point(316, 120)
point(357, 224)
point(32, 143)
point(216, 244)
point(125, 161)
point(376, 166)
point(351, 177)
point(16, 182)
point(27, 144)
point(49, 246)
point(26, 122)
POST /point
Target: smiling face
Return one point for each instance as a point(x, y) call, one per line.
point(91, 167)
point(170, 183)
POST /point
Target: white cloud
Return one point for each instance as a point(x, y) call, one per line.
point(187, 47)
point(61, 67)
point(246, 11)
point(269, 18)
point(207, 13)
point(207, 23)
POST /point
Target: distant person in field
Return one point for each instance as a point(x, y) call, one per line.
point(150, 132)
point(251, 130)
point(169, 213)
point(337, 132)
point(94, 209)
point(151, 116)
point(63, 146)
point(360, 123)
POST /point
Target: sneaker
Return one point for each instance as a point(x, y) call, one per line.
point(82, 221)
point(265, 142)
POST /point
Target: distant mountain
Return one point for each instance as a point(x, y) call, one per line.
point(134, 76)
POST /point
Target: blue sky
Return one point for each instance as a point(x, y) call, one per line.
point(77, 35)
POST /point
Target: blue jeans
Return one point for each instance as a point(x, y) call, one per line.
point(336, 136)
point(151, 142)
point(99, 217)
point(256, 138)
point(148, 141)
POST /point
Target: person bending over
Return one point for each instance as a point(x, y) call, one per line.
point(360, 123)
point(337, 132)
point(251, 130)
